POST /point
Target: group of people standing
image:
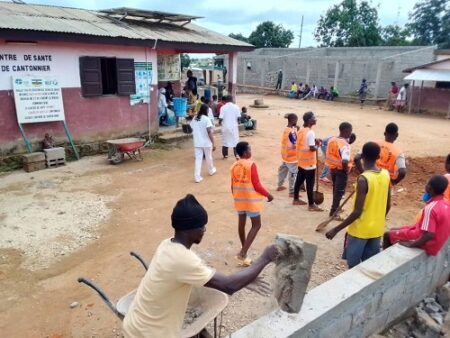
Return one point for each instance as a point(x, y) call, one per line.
point(381, 165)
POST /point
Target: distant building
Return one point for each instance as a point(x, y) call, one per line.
point(109, 64)
point(430, 89)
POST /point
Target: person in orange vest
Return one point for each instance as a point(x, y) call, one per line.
point(447, 175)
point(371, 204)
point(307, 146)
point(338, 159)
point(248, 194)
point(391, 157)
point(288, 154)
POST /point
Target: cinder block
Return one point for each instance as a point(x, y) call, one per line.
point(33, 157)
point(55, 153)
point(34, 166)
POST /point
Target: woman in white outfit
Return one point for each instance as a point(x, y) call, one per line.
point(202, 132)
point(228, 119)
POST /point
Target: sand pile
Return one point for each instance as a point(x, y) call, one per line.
point(292, 271)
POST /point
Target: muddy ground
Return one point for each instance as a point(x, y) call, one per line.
point(84, 218)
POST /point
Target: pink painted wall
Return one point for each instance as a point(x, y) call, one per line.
point(435, 100)
point(89, 119)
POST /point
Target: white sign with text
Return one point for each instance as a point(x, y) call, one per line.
point(38, 99)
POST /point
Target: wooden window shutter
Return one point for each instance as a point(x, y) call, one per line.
point(126, 84)
point(91, 76)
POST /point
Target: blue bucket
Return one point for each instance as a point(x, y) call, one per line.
point(180, 106)
point(207, 93)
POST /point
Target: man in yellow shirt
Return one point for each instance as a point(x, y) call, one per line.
point(372, 203)
point(162, 297)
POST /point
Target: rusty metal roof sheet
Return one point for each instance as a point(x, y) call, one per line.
point(66, 20)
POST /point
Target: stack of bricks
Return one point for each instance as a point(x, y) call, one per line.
point(55, 157)
point(33, 161)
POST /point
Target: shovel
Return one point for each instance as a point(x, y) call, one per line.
point(318, 196)
point(329, 219)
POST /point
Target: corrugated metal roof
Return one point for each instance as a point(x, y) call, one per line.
point(88, 22)
point(409, 70)
point(429, 75)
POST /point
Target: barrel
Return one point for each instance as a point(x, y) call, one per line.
point(208, 93)
point(180, 106)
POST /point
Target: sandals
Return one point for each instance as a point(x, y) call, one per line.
point(244, 262)
point(298, 202)
point(315, 208)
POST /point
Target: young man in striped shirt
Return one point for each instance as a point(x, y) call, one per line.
point(432, 230)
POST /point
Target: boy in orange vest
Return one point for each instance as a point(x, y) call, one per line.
point(248, 196)
point(338, 159)
point(307, 146)
point(289, 154)
point(391, 157)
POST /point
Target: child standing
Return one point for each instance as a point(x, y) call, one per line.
point(289, 155)
point(248, 196)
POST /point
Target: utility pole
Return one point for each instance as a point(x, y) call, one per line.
point(300, 35)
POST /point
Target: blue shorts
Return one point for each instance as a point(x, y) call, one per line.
point(249, 213)
point(357, 250)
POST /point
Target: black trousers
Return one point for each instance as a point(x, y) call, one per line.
point(225, 151)
point(278, 86)
point(339, 179)
point(302, 176)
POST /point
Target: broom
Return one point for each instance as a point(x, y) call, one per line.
point(329, 219)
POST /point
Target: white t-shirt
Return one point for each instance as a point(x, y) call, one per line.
point(162, 296)
point(402, 94)
point(200, 132)
point(211, 116)
point(311, 142)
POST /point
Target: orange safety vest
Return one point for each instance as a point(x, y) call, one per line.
point(246, 198)
point(305, 157)
point(289, 148)
point(388, 157)
point(447, 191)
point(333, 157)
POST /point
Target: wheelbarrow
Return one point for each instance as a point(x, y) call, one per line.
point(130, 146)
point(209, 302)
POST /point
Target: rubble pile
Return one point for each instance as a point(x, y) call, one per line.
point(431, 318)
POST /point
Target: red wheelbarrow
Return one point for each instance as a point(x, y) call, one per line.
point(205, 305)
point(130, 146)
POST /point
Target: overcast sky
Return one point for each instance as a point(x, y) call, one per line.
point(242, 16)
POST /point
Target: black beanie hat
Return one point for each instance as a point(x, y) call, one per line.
point(188, 214)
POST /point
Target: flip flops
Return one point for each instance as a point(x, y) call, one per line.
point(244, 262)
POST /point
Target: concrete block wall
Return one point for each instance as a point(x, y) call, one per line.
point(361, 301)
point(379, 65)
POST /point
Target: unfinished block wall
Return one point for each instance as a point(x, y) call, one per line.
point(361, 301)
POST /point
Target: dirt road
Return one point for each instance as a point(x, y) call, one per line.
point(84, 218)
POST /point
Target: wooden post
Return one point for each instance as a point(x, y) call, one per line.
point(411, 97)
point(27, 142)
point(420, 98)
point(69, 136)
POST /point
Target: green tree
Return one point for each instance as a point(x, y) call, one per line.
point(238, 36)
point(394, 35)
point(429, 22)
point(349, 24)
point(185, 61)
point(268, 34)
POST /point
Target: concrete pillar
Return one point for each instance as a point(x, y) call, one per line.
point(308, 72)
point(263, 71)
point(244, 75)
point(377, 79)
point(232, 74)
point(336, 75)
point(283, 69)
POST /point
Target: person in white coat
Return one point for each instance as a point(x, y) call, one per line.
point(228, 119)
point(202, 132)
